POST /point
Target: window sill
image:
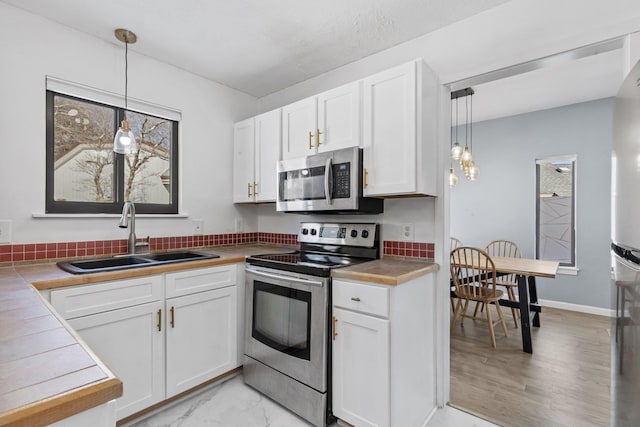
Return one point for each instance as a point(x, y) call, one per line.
point(37, 215)
point(568, 271)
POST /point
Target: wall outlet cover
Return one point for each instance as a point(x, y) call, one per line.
point(406, 232)
point(5, 231)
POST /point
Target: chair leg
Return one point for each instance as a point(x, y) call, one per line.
point(514, 312)
point(504, 325)
point(464, 313)
point(456, 310)
point(453, 304)
point(490, 323)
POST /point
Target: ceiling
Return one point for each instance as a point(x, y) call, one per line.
point(260, 47)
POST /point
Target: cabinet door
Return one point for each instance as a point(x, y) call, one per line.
point(129, 341)
point(268, 140)
point(201, 338)
point(339, 117)
point(243, 155)
point(298, 120)
point(361, 369)
point(389, 131)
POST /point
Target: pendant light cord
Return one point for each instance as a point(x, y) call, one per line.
point(471, 124)
point(126, 72)
point(466, 123)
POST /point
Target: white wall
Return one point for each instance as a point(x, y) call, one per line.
point(31, 48)
point(501, 204)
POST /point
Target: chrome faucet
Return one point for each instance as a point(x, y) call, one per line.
point(129, 214)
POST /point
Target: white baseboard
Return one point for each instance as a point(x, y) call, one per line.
point(577, 307)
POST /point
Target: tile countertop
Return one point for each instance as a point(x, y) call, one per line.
point(47, 373)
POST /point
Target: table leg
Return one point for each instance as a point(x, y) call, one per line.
point(533, 299)
point(523, 297)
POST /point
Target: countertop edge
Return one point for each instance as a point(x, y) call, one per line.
point(356, 273)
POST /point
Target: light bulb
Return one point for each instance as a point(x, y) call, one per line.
point(453, 179)
point(456, 151)
point(125, 141)
point(473, 173)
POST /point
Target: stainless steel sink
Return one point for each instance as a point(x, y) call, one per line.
point(131, 261)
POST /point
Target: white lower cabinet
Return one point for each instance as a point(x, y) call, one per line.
point(161, 335)
point(361, 369)
point(384, 352)
point(130, 341)
point(201, 338)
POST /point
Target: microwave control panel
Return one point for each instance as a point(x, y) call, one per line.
point(342, 181)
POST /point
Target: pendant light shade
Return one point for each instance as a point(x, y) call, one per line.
point(456, 151)
point(125, 141)
point(453, 178)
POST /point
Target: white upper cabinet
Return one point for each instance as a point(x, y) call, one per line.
point(299, 128)
point(243, 161)
point(400, 115)
point(256, 151)
point(340, 117)
point(325, 122)
point(268, 135)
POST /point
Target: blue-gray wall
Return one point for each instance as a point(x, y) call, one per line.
point(501, 203)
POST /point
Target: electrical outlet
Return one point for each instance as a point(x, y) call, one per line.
point(238, 224)
point(5, 231)
point(198, 227)
point(406, 232)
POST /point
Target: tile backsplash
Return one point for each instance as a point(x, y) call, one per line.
point(34, 252)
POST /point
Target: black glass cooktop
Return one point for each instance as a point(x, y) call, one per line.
point(304, 262)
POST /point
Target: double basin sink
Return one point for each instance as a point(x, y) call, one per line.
point(122, 262)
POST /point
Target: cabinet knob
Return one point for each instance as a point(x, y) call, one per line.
point(365, 173)
point(255, 188)
point(248, 189)
point(335, 334)
point(356, 299)
point(160, 320)
point(318, 133)
point(173, 323)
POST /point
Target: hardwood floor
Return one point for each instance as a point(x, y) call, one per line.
point(565, 382)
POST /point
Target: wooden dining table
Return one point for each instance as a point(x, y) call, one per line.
point(526, 270)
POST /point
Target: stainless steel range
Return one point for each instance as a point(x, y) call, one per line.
point(288, 304)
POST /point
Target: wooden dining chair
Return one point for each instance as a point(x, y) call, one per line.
point(506, 248)
point(474, 278)
point(453, 244)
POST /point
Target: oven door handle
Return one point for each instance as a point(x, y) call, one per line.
point(286, 278)
point(328, 181)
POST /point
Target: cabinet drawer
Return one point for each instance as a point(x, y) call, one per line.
point(366, 298)
point(203, 279)
point(91, 299)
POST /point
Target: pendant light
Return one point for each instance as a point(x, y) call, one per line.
point(473, 169)
point(463, 154)
point(125, 141)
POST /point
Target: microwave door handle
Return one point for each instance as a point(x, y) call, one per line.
point(328, 181)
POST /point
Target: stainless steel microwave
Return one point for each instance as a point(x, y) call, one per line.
point(328, 182)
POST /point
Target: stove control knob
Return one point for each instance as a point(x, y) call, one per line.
point(313, 231)
point(305, 231)
point(354, 233)
point(365, 234)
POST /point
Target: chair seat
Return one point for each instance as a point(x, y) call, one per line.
point(481, 295)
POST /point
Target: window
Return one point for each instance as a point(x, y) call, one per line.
point(84, 175)
point(555, 210)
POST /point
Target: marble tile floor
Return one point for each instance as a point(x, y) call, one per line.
point(234, 404)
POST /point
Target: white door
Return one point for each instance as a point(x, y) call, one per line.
point(243, 158)
point(389, 131)
point(339, 117)
point(130, 341)
point(268, 140)
point(201, 338)
point(299, 128)
point(361, 369)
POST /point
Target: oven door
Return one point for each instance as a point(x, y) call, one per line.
point(286, 324)
point(321, 182)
